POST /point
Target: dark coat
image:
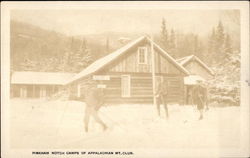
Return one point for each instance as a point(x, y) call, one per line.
point(161, 93)
point(94, 97)
point(200, 96)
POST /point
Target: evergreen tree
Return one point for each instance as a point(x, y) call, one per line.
point(196, 45)
point(202, 52)
point(216, 45)
point(164, 35)
point(211, 42)
point(85, 54)
point(83, 44)
point(172, 40)
point(184, 45)
point(211, 47)
point(228, 46)
point(47, 65)
point(219, 37)
point(64, 64)
point(73, 45)
point(28, 65)
point(80, 58)
point(172, 44)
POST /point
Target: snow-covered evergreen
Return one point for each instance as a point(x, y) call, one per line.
point(225, 87)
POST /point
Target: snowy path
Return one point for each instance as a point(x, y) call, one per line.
point(59, 124)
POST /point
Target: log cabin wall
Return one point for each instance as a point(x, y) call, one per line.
point(74, 88)
point(141, 90)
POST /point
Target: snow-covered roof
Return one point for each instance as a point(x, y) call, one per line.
point(192, 79)
point(183, 61)
point(100, 63)
point(41, 78)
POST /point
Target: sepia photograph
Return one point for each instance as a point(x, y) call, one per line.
point(125, 79)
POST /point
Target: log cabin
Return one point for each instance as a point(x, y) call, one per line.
point(198, 70)
point(196, 67)
point(28, 84)
point(128, 74)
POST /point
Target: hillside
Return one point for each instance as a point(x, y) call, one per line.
point(33, 45)
point(37, 49)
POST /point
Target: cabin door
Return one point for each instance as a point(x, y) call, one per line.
point(42, 92)
point(23, 92)
point(125, 85)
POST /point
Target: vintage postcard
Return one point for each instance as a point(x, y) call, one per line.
point(124, 79)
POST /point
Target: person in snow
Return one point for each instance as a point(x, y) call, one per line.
point(161, 96)
point(200, 97)
point(94, 99)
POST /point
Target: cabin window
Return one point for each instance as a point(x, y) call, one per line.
point(125, 85)
point(142, 55)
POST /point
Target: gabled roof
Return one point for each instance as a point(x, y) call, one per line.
point(40, 78)
point(185, 60)
point(100, 63)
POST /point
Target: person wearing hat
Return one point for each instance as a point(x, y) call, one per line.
point(94, 99)
point(200, 97)
point(161, 95)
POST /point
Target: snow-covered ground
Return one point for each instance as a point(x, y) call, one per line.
point(59, 124)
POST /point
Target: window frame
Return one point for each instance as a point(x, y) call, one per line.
point(145, 55)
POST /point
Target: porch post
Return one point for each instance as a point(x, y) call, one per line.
point(153, 69)
point(33, 91)
point(21, 92)
point(53, 89)
point(40, 91)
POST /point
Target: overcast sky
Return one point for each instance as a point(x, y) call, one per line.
point(79, 22)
